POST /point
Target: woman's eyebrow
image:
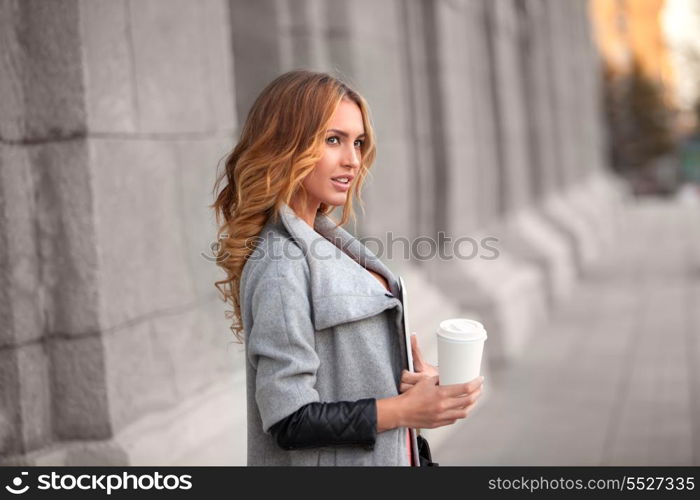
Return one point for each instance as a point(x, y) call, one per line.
point(342, 133)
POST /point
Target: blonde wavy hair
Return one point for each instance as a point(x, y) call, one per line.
point(281, 141)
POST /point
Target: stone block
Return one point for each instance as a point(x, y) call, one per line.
point(79, 389)
point(110, 93)
point(207, 428)
point(139, 378)
point(139, 229)
point(171, 67)
point(41, 68)
point(135, 84)
point(10, 409)
point(254, 29)
point(50, 247)
point(66, 236)
point(198, 346)
point(21, 304)
point(34, 395)
point(72, 454)
point(196, 172)
point(219, 83)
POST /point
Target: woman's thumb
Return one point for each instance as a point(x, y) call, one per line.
point(417, 355)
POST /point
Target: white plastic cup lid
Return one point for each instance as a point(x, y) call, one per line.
point(462, 330)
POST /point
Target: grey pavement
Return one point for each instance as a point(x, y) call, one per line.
point(613, 378)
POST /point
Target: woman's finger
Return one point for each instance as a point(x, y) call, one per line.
point(462, 401)
point(405, 387)
point(458, 414)
point(442, 423)
point(418, 361)
point(455, 390)
point(470, 399)
point(411, 378)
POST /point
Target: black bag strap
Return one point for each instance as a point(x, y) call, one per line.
point(426, 458)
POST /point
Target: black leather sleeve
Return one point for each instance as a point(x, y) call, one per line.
point(329, 424)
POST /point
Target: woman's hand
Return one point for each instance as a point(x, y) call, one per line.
point(423, 369)
point(428, 405)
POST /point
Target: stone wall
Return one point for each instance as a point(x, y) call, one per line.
point(115, 115)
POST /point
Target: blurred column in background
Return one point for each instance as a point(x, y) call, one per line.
point(563, 53)
point(302, 40)
point(115, 114)
point(506, 295)
point(256, 44)
point(530, 232)
point(377, 48)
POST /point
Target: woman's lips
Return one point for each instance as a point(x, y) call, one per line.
point(340, 186)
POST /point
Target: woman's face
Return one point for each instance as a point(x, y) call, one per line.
point(341, 157)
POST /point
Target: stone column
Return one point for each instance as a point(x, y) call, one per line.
point(369, 51)
point(338, 24)
point(599, 197)
point(535, 67)
point(488, 149)
point(302, 37)
point(257, 48)
point(561, 96)
point(47, 253)
point(504, 41)
point(500, 289)
point(423, 118)
point(516, 62)
point(120, 111)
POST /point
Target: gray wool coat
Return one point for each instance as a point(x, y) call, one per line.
point(319, 328)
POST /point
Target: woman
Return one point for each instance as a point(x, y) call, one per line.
point(325, 374)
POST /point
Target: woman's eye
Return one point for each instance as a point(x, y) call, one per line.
point(359, 144)
point(333, 138)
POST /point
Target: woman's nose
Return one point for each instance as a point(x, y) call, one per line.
point(352, 157)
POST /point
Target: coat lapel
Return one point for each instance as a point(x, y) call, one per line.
point(341, 290)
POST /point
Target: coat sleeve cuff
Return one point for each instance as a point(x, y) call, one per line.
point(341, 423)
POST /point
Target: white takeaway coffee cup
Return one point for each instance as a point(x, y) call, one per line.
point(460, 346)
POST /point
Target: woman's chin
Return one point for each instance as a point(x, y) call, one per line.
point(336, 201)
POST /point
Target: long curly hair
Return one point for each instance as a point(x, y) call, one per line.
point(281, 141)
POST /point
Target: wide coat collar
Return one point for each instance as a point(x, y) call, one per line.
point(341, 290)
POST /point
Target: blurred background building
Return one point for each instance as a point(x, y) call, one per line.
point(541, 123)
point(651, 58)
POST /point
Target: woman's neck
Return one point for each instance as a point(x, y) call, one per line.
point(306, 213)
